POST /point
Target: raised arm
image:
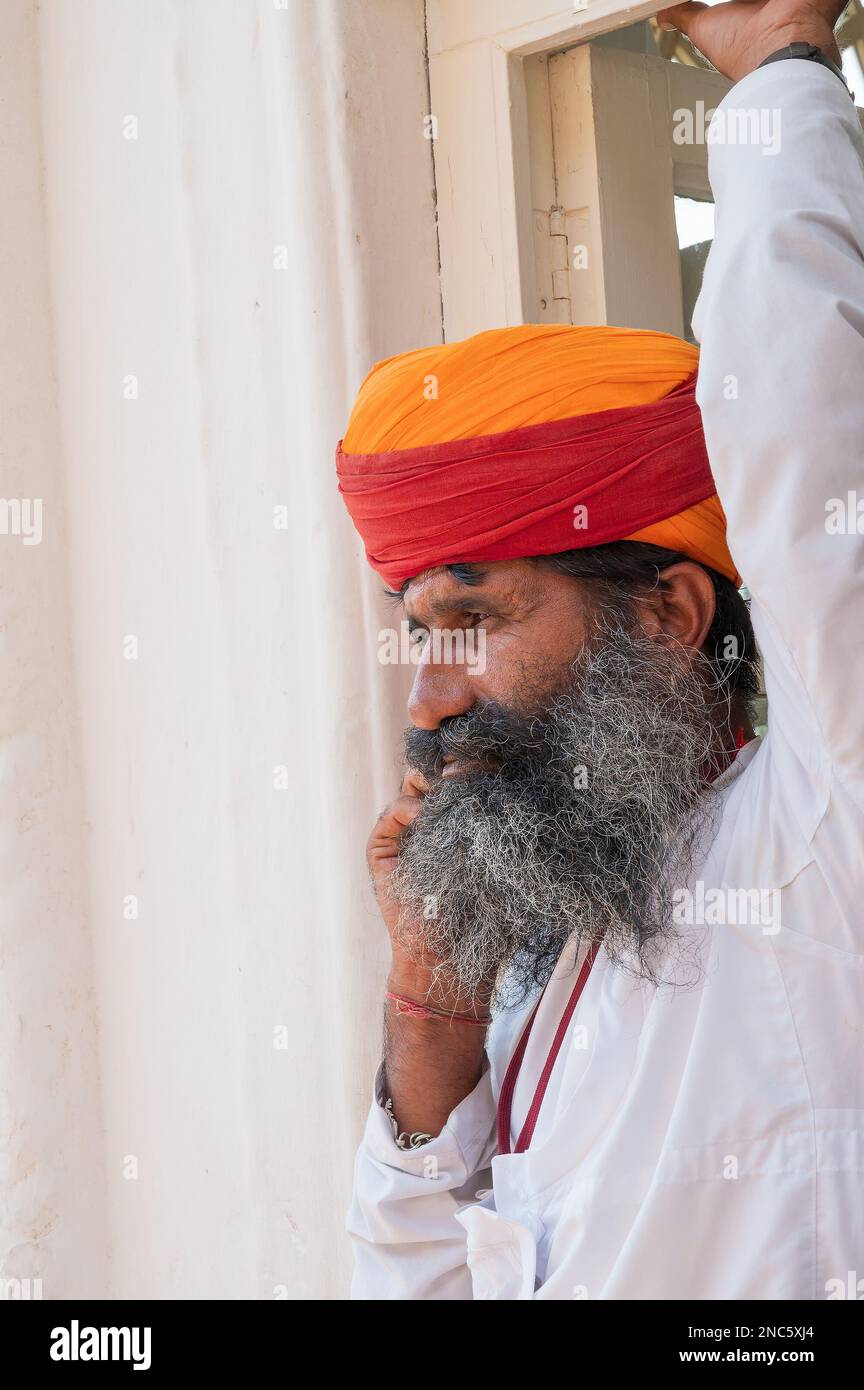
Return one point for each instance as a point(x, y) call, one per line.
point(781, 382)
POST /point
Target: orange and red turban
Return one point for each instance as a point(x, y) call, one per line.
point(529, 441)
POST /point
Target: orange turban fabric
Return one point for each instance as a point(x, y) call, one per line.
point(529, 441)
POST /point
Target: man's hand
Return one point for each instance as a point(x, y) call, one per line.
point(413, 972)
point(735, 37)
point(407, 974)
point(383, 845)
point(430, 1064)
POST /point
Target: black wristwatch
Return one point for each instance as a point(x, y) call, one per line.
point(811, 52)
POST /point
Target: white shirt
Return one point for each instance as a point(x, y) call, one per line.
point(707, 1141)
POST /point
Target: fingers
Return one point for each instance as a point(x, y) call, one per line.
point(680, 16)
point(392, 824)
point(394, 820)
point(414, 783)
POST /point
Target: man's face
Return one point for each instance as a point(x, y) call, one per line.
point(565, 773)
point(528, 623)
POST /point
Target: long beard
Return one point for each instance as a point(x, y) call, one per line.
point(586, 820)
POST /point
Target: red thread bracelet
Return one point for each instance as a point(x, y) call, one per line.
point(404, 1005)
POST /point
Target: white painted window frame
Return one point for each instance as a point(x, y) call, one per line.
point(480, 99)
point(618, 168)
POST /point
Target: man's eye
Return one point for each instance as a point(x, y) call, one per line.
point(418, 635)
point(478, 618)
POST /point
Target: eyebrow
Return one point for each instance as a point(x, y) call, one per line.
point(444, 607)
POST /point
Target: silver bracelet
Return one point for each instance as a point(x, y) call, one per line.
point(404, 1140)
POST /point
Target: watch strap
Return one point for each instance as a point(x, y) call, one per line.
point(811, 53)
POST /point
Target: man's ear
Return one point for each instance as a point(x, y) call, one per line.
point(682, 606)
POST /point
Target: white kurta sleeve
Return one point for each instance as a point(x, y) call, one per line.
point(402, 1219)
point(780, 319)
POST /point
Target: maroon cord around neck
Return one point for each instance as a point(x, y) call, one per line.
point(505, 1100)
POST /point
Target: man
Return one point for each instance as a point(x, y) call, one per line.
point(624, 1015)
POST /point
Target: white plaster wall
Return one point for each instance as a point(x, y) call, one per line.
point(52, 1184)
point(258, 127)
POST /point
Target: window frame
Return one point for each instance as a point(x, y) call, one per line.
point(482, 147)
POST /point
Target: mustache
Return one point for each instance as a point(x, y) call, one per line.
point(488, 734)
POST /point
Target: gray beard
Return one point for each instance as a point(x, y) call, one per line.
point(588, 819)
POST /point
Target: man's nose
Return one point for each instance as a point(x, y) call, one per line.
point(439, 691)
